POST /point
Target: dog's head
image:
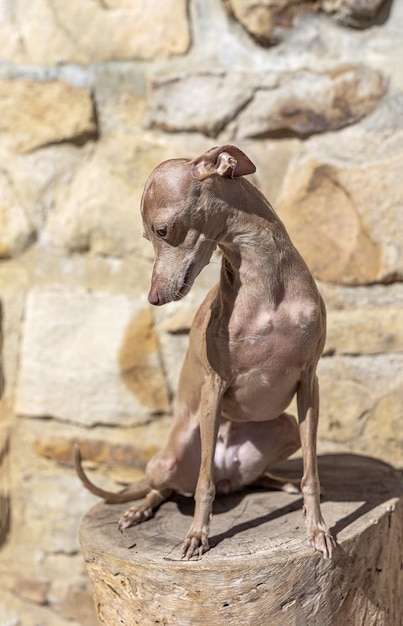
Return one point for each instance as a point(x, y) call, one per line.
point(182, 217)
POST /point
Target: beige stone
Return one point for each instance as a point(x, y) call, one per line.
point(181, 321)
point(98, 211)
point(55, 492)
point(262, 104)
point(80, 356)
point(117, 455)
point(266, 19)
point(365, 331)
point(351, 387)
point(272, 159)
point(35, 113)
point(68, 598)
point(96, 451)
point(121, 93)
point(28, 187)
point(382, 436)
point(15, 612)
point(77, 605)
point(16, 230)
point(220, 95)
point(345, 401)
point(356, 13)
point(309, 102)
point(372, 297)
point(32, 590)
point(30, 181)
point(346, 221)
point(83, 31)
point(55, 503)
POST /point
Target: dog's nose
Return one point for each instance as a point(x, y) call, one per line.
point(153, 297)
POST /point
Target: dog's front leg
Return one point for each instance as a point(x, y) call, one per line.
point(308, 412)
point(196, 541)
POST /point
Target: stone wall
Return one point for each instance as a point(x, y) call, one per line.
point(93, 95)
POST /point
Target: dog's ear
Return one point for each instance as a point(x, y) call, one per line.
point(224, 161)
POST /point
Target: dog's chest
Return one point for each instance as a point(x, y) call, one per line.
point(258, 335)
point(266, 364)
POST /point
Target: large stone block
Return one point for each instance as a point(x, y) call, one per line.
point(262, 104)
point(272, 159)
point(34, 113)
point(121, 90)
point(83, 31)
point(382, 433)
point(89, 358)
point(365, 331)
point(361, 405)
point(98, 210)
point(16, 230)
point(220, 95)
point(266, 20)
point(28, 186)
point(346, 219)
point(308, 102)
point(356, 13)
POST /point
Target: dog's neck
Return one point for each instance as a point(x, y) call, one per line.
point(256, 248)
point(240, 274)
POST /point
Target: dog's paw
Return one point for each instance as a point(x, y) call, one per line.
point(320, 539)
point(195, 544)
point(133, 516)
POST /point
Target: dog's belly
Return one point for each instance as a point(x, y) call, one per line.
point(258, 396)
point(245, 450)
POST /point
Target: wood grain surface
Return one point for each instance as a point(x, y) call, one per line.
point(260, 569)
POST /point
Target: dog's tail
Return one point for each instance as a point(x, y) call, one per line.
point(109, 496)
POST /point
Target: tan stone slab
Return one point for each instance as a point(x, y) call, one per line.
point(83, 31)
point(365, 331)
point(346, 220)
point(266, 21)
point(89, 358)
point(35, 113)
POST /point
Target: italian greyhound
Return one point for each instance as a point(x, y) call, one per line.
point(254, 343)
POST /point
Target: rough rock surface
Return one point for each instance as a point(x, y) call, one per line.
point(268, 20)
point(343, 217)
point(89, 359)
point(86, 31)
point(34, 114)
point(303, 103)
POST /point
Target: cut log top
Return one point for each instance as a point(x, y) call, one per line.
point(260, 569)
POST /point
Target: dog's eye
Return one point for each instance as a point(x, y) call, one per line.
point(162, 232)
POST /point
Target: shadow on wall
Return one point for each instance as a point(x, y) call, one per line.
point(140, 366)
point(4, 497)
point(4, 449)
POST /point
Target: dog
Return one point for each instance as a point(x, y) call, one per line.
point(255, 342)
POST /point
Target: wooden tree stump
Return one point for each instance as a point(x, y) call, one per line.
point(259, 570)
